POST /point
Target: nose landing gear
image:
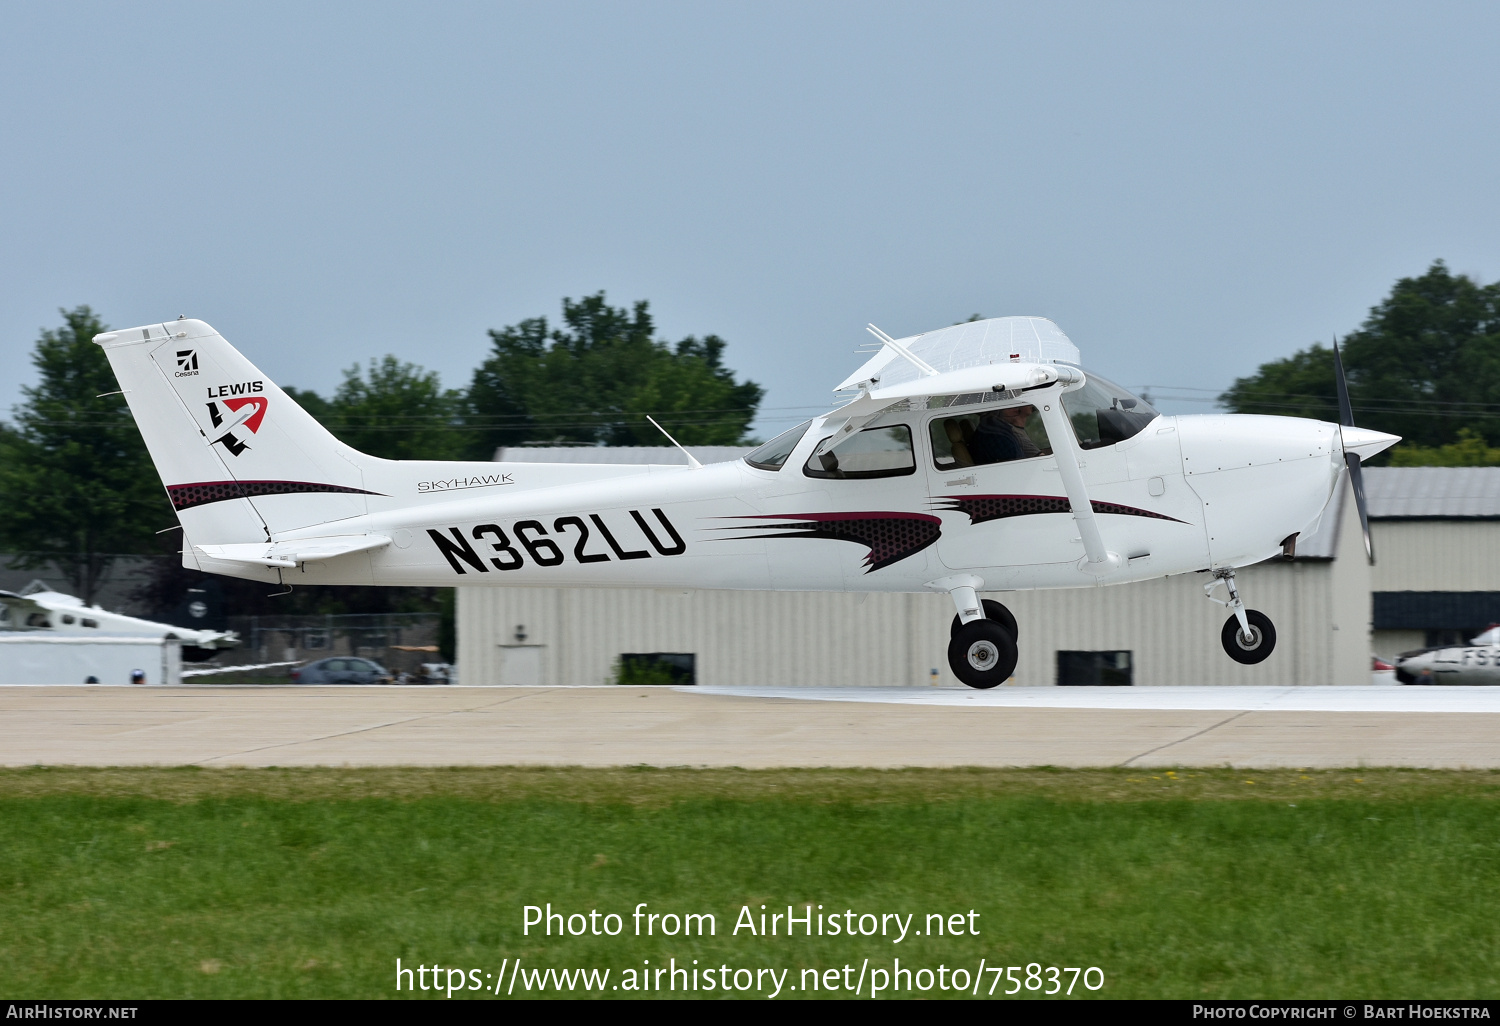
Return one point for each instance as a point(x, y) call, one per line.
point(1248, 636)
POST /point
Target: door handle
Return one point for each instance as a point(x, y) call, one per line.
point(959, 481)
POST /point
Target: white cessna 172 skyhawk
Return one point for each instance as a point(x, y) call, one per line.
point(975, 457)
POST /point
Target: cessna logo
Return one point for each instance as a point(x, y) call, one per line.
point(244, 413)
point(187, 363)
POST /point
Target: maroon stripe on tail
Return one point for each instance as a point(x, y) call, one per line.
point(201, 493)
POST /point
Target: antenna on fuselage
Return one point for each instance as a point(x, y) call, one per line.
point(691, 461)
point(906, 354)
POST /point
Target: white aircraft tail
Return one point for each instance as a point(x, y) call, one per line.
point(240, 460)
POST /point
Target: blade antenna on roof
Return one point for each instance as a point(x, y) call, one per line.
point(691, 461)
point(906, 354)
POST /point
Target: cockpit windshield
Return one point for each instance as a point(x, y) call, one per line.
point(1103, 413)
point(773, 454)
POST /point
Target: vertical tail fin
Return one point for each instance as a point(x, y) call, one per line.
point(240, 460)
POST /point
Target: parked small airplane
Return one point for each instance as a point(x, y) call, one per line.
point(57, 613)
point(974, 457)
point(1478, 662)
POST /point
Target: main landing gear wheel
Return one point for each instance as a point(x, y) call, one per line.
point(992, 611)
point(982, 654)
point(1260, 644)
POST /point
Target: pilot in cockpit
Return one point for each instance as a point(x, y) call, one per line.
point(994, 440)
point(996, 436)
point(1001, 436)
point(1018, 417)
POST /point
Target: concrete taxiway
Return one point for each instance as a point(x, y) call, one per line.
point(750, 727)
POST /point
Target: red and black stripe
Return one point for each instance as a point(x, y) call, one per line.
point(201, 493)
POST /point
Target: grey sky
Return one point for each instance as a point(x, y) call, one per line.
point(1187, 189)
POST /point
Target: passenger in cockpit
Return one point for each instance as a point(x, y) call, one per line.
point(953, 427)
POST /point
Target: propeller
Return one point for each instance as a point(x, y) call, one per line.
point(1351, 458)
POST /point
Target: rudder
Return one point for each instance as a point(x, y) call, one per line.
point(239, 458)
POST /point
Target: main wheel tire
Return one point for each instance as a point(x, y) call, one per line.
point(982, 654)
point(992, 611)
point(1262, 637)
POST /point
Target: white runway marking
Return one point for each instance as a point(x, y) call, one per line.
point(1395, 699)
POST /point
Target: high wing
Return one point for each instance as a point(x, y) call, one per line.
point(1000, 357)
point(972, 344)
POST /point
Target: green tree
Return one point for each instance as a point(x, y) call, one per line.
point(394, 410)
point(398, 411)
point(77, 488)
point(1469, 451)
point(1424, 365)
point(595, 379)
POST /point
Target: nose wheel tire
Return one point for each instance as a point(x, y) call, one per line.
point(992, 611)
point(1258, 646)
point(982, 654)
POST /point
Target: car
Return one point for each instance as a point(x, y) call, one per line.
point(341, 670)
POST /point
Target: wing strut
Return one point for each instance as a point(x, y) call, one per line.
point(1098, 559)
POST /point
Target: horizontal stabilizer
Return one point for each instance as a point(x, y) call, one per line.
point(290, 553)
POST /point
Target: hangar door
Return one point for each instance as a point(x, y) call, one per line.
point(521, 666)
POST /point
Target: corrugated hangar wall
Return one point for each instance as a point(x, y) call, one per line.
point(770, 638)
point(1436, 555)
point(1321, 610)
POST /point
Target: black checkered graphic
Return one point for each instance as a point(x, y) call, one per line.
point(186, 496)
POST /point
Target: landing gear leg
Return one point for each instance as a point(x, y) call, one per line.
point(981, 652)
point(992, 611)
point(1248, 636)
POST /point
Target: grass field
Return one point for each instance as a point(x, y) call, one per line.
point(311, 883)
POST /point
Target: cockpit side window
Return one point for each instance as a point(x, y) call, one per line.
point(991, 436)
point(884, 451)
point(1103, 413)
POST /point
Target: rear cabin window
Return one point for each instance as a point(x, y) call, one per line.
point(990, 436)
point(874, 452)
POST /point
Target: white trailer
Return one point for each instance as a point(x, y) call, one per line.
point(28, 657)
